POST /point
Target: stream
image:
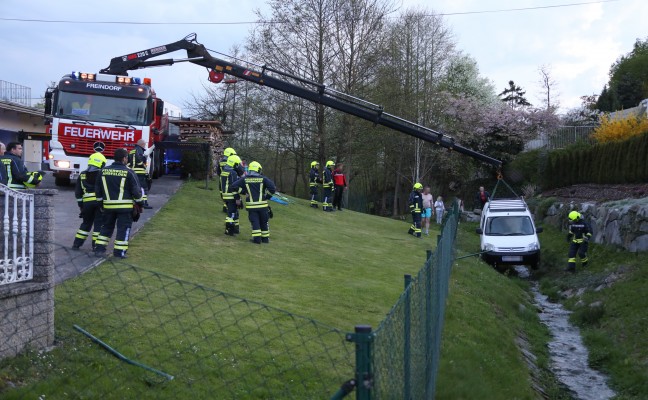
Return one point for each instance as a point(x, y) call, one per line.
point(568, 353)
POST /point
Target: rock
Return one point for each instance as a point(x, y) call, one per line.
point(596, 304)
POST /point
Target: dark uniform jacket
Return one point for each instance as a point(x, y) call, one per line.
point(415, 202)
point(228, 176)
point(118, 187)
point(137, 160)
point(313, 177)
point(257, 187)
point(14, 171)
point(579, 230)
point(328, 179)
point(85, 186)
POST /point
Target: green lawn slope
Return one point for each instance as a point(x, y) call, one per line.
point(340, 269)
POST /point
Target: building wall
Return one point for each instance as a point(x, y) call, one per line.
point(15, 118)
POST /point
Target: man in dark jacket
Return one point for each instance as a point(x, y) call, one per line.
point(416, 206)
point(228, 175)
point(15, 173)
point(481, 198)
point(258, 189)
point(87, 201)
point(138, 162)
point(117, 188)
point(578, 239)
point(314, 180)
point(327, 186)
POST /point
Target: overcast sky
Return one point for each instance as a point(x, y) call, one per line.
point(577, 40)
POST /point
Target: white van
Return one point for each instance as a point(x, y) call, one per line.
point(508, 235)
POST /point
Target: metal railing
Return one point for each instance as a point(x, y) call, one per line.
point(562, 137)
point(17, 263)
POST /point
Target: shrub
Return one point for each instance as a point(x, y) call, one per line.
point(617, 129)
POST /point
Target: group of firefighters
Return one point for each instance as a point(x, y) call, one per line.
point(110, 196)
point(116, 194)
point(333, 185)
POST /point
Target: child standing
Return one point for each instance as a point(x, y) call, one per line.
point(427, 209)
point(440, 209)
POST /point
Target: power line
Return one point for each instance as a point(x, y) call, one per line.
point(52, 21)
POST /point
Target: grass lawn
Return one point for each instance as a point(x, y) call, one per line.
point(230, 319)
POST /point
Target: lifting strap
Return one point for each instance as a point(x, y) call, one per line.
point(500, 178)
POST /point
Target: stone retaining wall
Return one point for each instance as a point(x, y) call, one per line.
point(27, 308)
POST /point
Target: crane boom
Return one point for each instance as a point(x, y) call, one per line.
point(309, 90)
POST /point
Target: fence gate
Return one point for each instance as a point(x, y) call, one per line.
point(17, 227)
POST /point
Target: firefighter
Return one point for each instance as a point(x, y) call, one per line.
point(327, 186)
point(314, 180)
point(118, 190)
point(87, 200)
point(15, 174)
point(578, 239)
point(416, 206)
point(221, 165)
point(258, 189)
point(138, 161)
point(228, 175)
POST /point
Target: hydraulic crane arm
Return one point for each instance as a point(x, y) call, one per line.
point(309, 90)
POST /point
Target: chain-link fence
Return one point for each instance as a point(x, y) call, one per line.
point(121, 331)
point(125, 332)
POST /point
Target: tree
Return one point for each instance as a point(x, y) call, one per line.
point(548, 86)
point(514, 96)
point(628, 83)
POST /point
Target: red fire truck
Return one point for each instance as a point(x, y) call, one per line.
point(90, 112)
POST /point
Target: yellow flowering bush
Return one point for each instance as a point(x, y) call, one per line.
point(617, 129)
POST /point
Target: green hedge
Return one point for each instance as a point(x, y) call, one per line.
point(614, 162)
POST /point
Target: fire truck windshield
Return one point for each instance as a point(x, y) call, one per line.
point(97, 108)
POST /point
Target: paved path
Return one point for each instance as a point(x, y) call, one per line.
point(70, 263)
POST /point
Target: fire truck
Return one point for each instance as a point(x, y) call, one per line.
point(90, 112)
point(76, 132)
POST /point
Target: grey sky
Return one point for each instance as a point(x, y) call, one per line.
point(578, 43)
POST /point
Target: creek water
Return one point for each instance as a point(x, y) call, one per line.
point(568, 353)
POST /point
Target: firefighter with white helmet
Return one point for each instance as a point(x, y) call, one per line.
point(258, 190)
point(327, 186)
point(89, 207)
point(314, 180)
point(578, 238)
point(416, 206)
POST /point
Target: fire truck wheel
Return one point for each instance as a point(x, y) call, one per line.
point(62, 181)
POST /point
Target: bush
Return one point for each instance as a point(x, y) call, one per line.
point(196, 164)
point(618, 129)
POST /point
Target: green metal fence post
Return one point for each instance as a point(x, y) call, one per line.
point(407, 390)
point(428, 317)
point(364, 378)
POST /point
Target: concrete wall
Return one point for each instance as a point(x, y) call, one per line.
point(27, 308)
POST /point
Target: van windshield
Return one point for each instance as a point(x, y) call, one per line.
point(509, 226)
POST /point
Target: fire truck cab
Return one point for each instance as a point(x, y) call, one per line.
point(90, 112)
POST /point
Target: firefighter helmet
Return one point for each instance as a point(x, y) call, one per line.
point(228, 152)
point(97, 160)
point(314, 164)
point(574, 215)
point(329, 164)
point(418, 186)
point(233, 160)
point(255, 166)
point(34, 179)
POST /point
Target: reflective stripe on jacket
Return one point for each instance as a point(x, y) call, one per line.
point(118, 187)
point(257, 187)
